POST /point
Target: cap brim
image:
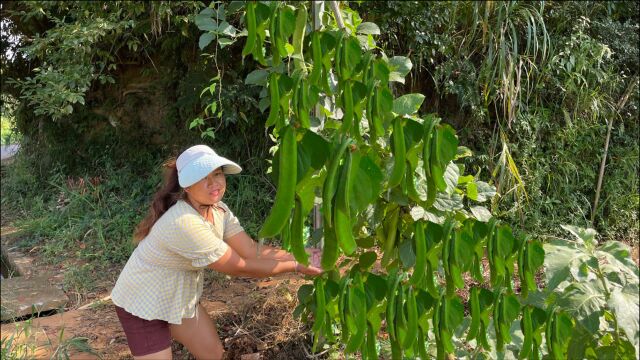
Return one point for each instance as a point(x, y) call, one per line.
point(203, 166)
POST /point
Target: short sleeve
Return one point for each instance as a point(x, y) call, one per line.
point(231, 224)
point(196, 241)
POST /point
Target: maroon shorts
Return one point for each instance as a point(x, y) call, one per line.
point(144, 336)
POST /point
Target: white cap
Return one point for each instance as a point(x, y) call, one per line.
point(198, 161)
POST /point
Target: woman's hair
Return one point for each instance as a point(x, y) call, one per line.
point(167, 196)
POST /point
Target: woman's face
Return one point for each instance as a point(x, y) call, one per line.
point(209, 190)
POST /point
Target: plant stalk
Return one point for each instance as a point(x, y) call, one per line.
point(619, 107)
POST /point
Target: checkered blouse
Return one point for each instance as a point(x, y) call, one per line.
point(163, 278)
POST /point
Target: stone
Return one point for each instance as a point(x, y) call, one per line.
point(26, 296)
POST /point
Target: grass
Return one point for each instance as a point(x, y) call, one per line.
point(22, 344)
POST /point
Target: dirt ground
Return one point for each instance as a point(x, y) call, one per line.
point(253, 316)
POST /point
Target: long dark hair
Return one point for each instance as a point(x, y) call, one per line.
point(167, 196)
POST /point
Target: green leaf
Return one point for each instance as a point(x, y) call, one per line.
point(560, 255)
point(451, 175)
point(378, 285)
point(224, 42)
point(586, 302)
point(205, 39)
point(304, 292)
point(624, 304)
point(353, 52)
point(227, 29)
point(447, 143)
point(512, 307)
point(536, 255)
point(400, 67)
point(585, 236)
point(482, 214)
point(257, 77)
point(455, 315)
point(448, 202)
point(407, 255)
point(204, 22)
point(368, 28)
point(407, 104)
point(472, 191)
point(367, 182)
point(506, 241)
point(367, 259)
point(485, 191)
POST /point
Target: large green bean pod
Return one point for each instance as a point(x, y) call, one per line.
point(285, 194)
point(399, 153)
point(342, 217)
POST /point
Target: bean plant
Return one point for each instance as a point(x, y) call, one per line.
point(404, 231)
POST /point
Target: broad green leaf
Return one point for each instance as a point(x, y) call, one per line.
point(386, 100)
point(417, 213)
point(448, 202)
point(536, 255)
point(465, 179)
point(378, 285)
point(463, 152)
point(304, 292)
point(367, 182)
point(464, 248)
point(486, 298)
point(585, 236)
point(447, 143)
point(586, 302)
point(455, 315)
point(485, 191)
point(224, 42)
point(617, 260)
point(506, 241)
point(400, 67)
point(353, 52)
point(512, 307)
point(367, 259)
point(406, 253)
point(227, 29)
point(288, 18)
point(257, 77)
point(368, 28)
point(624, 304)
point(472, 191)
point(204, 22)
point(381, 71)
point(559, 257)
point(407, 104)
point(205, 39)
point(413, 133)
point(481, 213)
point(451, 175)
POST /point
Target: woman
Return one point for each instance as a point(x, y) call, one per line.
point(188, 228)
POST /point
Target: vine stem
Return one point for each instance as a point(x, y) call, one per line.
point(336, 12)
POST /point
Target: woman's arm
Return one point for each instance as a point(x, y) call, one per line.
point(231, 263)
point(247, 248)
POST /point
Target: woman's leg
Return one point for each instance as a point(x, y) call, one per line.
point(199, 335)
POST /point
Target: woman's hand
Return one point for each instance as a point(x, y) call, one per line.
point(308, 270)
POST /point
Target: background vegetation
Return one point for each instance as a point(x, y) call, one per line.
point(104, 92)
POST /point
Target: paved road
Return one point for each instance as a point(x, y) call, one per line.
point(9, 150)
